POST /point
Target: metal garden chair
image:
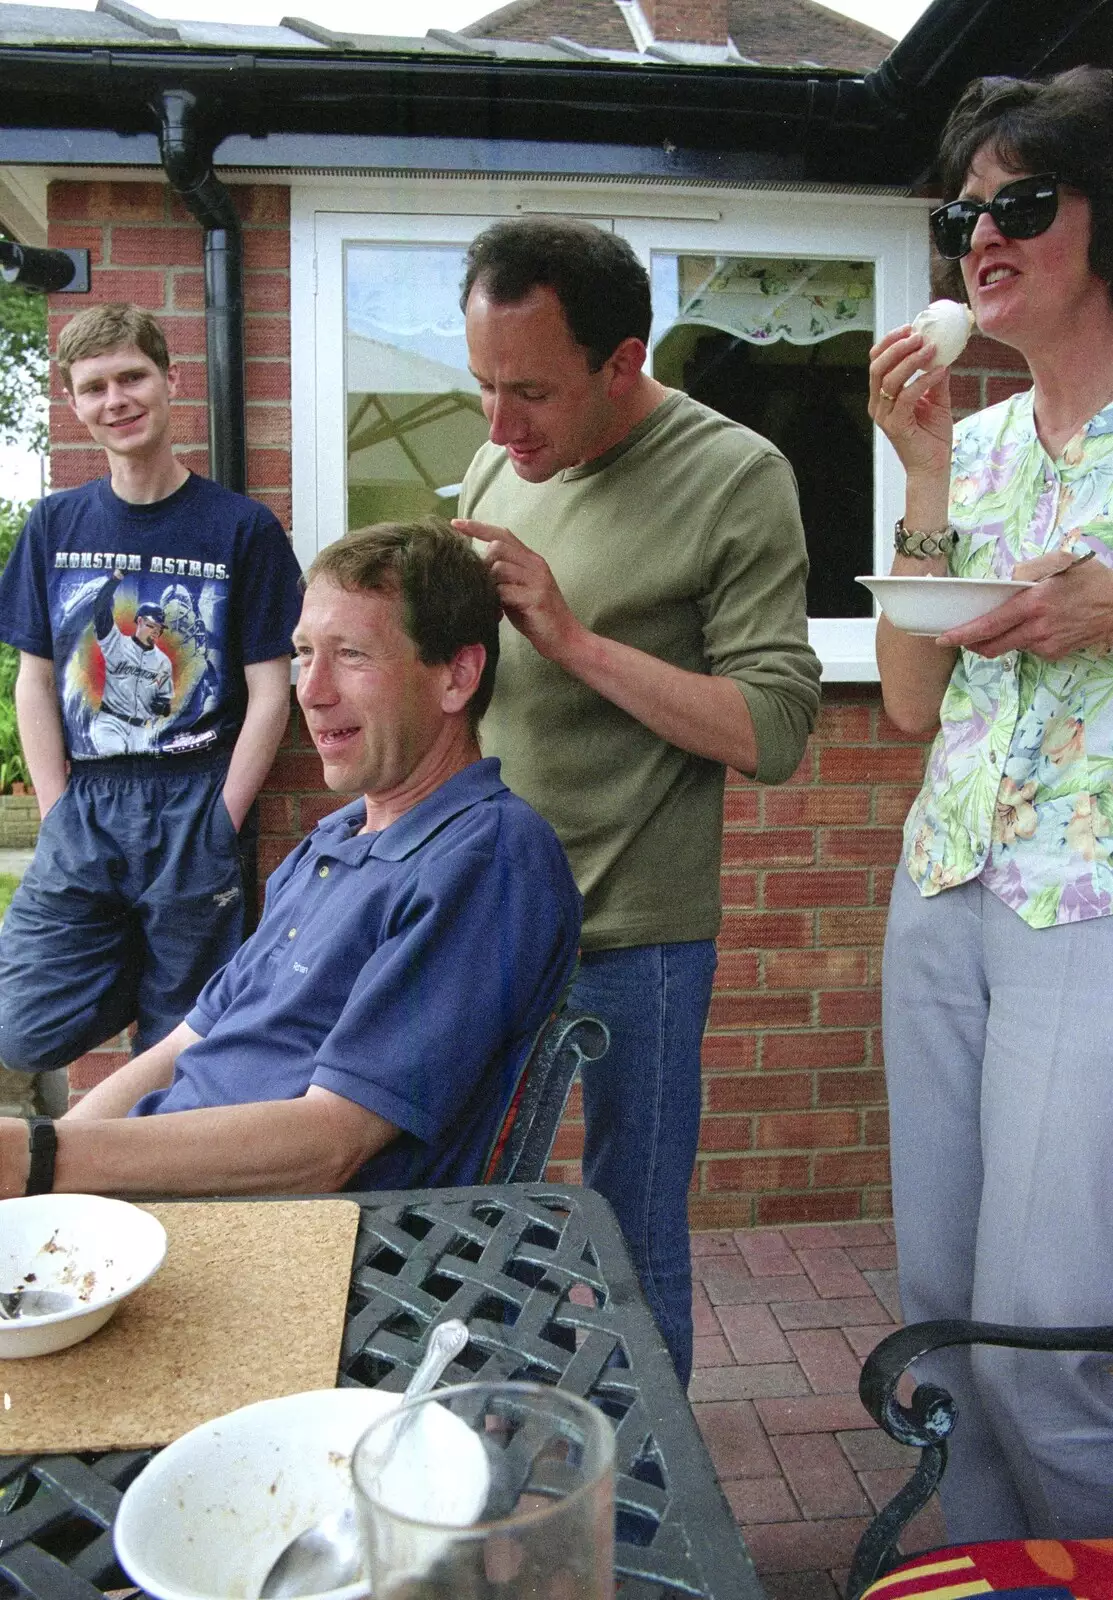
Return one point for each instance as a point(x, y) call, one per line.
point(1081, 1567)
point(524, 1141)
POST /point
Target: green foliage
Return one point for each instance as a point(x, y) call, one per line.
point(24, 367)
point(8, 887)
point(12, 518)
point(13, 767)
point(24, 372)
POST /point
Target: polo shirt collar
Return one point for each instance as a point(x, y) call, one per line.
point(338, 835)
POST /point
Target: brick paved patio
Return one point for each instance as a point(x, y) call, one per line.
point(783, 1319)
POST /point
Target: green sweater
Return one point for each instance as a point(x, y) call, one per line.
point(683, 541)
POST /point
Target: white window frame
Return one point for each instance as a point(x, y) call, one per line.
point(888, 231)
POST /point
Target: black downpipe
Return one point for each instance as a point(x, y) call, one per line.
point(187, 160)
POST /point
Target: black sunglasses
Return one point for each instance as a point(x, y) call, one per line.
point(1020, 210)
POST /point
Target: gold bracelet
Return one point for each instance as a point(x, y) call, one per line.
point(923, 544)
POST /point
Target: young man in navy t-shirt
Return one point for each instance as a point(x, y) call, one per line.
point(153, 611)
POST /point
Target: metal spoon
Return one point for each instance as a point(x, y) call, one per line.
point(327, 1556)
point(16, 1304)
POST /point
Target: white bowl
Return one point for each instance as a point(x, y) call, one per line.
point(206, 1519)
point(83, 1244)
point(929, 606)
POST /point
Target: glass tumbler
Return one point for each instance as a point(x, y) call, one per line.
point(488, 1491)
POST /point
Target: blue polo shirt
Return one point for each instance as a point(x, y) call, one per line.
point(407, 970)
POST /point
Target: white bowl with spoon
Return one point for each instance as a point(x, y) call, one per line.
point(67, 1261)
point(213, 1515)
point(929, 605)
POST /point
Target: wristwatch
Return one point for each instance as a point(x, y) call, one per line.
point(43, 1141)
point(921, 544)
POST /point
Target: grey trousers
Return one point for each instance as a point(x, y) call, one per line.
point(999, 1064)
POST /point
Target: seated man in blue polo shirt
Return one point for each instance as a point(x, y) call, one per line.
point(368, 1034)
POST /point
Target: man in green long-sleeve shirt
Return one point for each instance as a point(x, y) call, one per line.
point(651, 563)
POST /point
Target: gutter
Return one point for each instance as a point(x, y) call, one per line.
point(821, 124)
point(825, 120)
point(187, 160)
point(955, 41)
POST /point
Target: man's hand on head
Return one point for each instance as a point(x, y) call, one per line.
point(529, 593)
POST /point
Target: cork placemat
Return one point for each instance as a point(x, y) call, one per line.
point(249, 1304)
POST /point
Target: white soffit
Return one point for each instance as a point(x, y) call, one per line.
point(23, 203)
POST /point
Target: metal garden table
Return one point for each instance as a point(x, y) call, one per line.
point(541, 1277)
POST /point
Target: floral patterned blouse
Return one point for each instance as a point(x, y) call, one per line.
point(1019, 783)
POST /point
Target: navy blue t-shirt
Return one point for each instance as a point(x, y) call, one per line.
point(406, 970)
point(211, 568)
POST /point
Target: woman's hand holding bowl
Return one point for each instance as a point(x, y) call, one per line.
point(1072, 610)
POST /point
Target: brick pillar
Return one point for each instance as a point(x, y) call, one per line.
point(687, 21)
point(144, 246)
point(17, 1096)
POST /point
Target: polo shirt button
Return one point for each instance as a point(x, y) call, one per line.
point(993, 758)
point(322, 872)
point(291, 933)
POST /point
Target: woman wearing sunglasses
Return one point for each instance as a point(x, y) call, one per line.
point(998, 975)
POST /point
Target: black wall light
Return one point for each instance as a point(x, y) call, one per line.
point(52, 271)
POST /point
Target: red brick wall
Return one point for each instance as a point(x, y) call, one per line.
point(794, 1125)
point(985, 373)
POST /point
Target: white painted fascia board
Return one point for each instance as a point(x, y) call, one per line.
point(23, 204)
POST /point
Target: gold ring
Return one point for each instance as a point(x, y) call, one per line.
point(892, 399)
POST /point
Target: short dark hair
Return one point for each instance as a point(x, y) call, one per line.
point(1062, 124)
point(448, 596)
point(602, 287)
point(99, 329)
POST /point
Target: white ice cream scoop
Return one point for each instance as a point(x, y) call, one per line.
point(947, 325)
point(328, 1556)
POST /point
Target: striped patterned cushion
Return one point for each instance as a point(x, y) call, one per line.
point(1078, 1567)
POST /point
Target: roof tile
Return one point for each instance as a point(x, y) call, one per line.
point(769, 32)
point(598, 24)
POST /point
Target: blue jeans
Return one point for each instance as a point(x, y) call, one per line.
point(642, 1112)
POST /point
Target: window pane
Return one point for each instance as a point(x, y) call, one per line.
point(783, 346)
point(413, 412)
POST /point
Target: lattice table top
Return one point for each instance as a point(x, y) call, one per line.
point(541, 1277)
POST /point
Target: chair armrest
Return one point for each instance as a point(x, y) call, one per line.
point(524, 1141)
point(929, 1417)
point(919, 1424)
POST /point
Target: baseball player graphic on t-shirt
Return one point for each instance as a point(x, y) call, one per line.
point(138, 679)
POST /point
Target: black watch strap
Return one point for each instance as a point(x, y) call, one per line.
point(43, 1140)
